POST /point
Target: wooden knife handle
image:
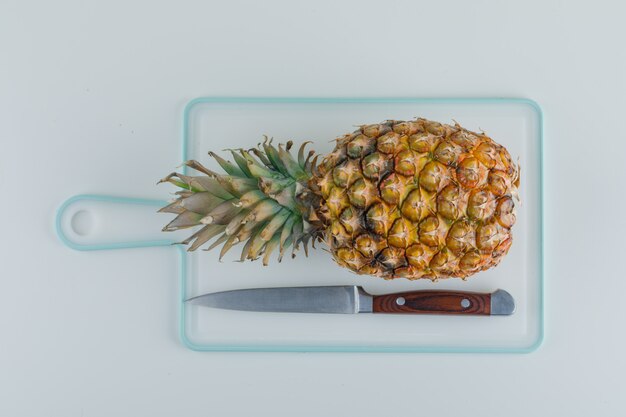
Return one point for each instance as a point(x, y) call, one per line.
point(433, 302)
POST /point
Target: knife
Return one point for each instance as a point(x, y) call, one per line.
point(351, 299)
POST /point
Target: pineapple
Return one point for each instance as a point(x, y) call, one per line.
point(412, 199)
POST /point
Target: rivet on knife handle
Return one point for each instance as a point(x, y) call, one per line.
point(445, 302)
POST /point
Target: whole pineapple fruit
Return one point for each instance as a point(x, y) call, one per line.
point(412, 199)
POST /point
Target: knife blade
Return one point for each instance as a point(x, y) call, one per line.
point(352, 299)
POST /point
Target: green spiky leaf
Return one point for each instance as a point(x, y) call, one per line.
point(227, 166)
point(242, 163)
point(275, 224)
point(270, 247)
point(272, 155)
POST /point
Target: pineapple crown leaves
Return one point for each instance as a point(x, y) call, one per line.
point(254, 202)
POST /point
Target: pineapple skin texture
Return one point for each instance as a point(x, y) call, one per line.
point(416, 199)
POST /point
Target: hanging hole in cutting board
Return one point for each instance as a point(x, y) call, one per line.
point(82, 222)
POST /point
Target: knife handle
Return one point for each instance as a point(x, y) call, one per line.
point(433, 302)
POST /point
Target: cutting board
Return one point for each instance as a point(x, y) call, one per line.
point(97, 222)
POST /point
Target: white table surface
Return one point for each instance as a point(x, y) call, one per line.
point(89, 88)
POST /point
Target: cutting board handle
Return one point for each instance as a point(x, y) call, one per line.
point(100, 222)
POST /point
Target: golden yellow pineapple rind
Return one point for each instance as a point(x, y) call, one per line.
point(423, 199)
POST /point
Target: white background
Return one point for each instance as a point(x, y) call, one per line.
point(90, 100)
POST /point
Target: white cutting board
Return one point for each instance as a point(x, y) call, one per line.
point(219, 123)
